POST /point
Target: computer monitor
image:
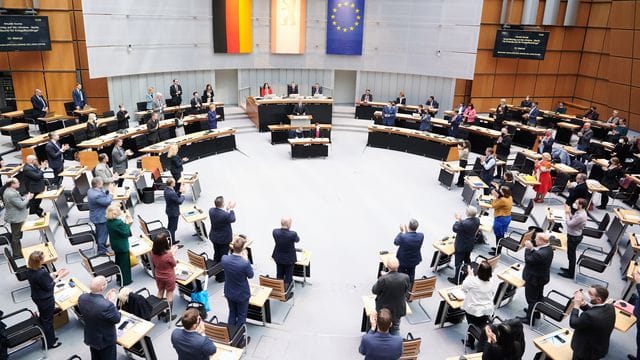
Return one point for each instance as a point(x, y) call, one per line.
point(82, 183)
point(62, 206)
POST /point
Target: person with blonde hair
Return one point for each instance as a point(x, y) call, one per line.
point(92, 126)
point(175, 161)
point(212, 117)
point(149, 97)
point(119, 233)
point(542, 172)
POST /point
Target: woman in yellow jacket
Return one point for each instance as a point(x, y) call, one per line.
point(501, 204)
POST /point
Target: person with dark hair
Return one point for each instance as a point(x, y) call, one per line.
point(622, 150)
point(175, 91)
point(55, 156)
point(432, 104)
point(16, 212)
point(212, 117)
point(506, 181)
point(173, 199)
point(469, 114)
point(378, 343)
point(501, 343)
point(463, 152)
point(123, 117)
point(367, 96)
point(35, 183)
point(191, 342)
point(584, 137)
point(546, 143)
point(409, 244)
point(238, 271)
point(611, 179)
point(265, 90)
point(164, 263)
point(99, 200)
point(221, 233)
point(532, 116)
point(176, 167)
point(503, 149)
point(478, 300)
point(527, 102)
point(561, 109)
point(103, 171)
point(391, 291)
point(389, 114)
point(538, 256)
point(593, 321)
point(577, 190)
point(488, 162)
point(120, 159)
point(502, 205)
point(425, 118)
point(465, 230)
point(153, 124)
point(591, 114)
point(284, 251)
point(454, 124)
point(42, 284)
point(575, 222)
point(207, 94)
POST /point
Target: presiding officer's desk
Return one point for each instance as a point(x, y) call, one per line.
point(281, 133)
point(422, 143)
point(264, 112)
point(195, 146)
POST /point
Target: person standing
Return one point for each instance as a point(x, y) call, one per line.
point(221, 233)
point(196, 103)
point(173, 199)
point(501, 114)
point(584, 137)
point(409, 243)
point(237, 271)
point(488, 162)
point(463, 152)
point(164, 264)
point(176, 167)
point(103, 171)
point(538, 256)
point(212, 117)
point(123, 117)
point(575, 224)
point(454, 124)
point(15, 213)
point(39, 104)
point(55, 156)
point(636, 313)
point(391, 291)
point(425, 119)
point(469, 114)
point(478, 300)
point(207, 94)
point(119, 233)
point(284, 251)
point(503, 149)
point(42, 284)
point(79, 100)
point(502, 204)
point(99, 200)
point(465, 230)
point(191, 342)
point(532, 116)
point(120, 159)
point(542, 169)
point(577, 190)
point(35, 183)
point(389, 114)
point(316, 89)
point(378, 343)
point(149, 97)
point(152, 129)
point(100, 319)
point(546, 143)
point(159, 105)
point(611, 179)
point(92, 126)
point(593, 321)
point(401, 99)
point(176, 93)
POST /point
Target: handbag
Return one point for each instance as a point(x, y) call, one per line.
point(201, 297)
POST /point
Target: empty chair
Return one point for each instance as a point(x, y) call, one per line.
point(555, 306)
point(23, 329)
point(493, 260)
point(524, 217)
point(78, 200)
point(19, 271)
point(600, 230)
point(222, 333)
point(514, 245)
point(5, 237)
point(159, 307)
point(203, 262)
point(153, 228)
point(595, 260)
point(279, 292)
point(78, 234)
point(422, 289)
point(106, 268)
point(410, 347)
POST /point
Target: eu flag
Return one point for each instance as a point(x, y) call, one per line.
point(345, 26)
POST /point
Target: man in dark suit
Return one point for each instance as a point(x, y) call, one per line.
point(592, 327)
point(537, 263)
point(391, 291)
point(221, 233)
point(123, 117)
point(34, 182)
point(526, 103)
point(591, 114)
point(79, 100)
point(292, 88)
point(465, 230)
point(236, 287)
point(40, 106)
point(389, 114)
point(196, 103)
point(55, 156)
point(409, 244)
point(532, 116)
point(584, 137)
point(316, 89)
point(577, 191)
point(378, 344)
point(284, 252)
point(176, 93)
point(432, 103)
point(190, 342)
point(100, 319)
point(173, 199)
point(367, 96)
point(299, 108)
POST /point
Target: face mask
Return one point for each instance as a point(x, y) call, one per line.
point(575, 206)
point(621, 141)
point(586, 298)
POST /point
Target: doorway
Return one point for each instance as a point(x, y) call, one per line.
point(344, 91)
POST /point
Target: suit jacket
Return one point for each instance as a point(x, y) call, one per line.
point(409, 246)
point(504, 147)
point(466, 230)
point(391, 292)
point(79, 99)
point(533, 115)
point(237, 271)
point(92, 130)
point(537, 264)
point(196, 103)
point(401, 100)
point(380, 346)
point(221, 232)
point(122, 115)
point(55, 156)
point(176, 166)
point(41, 284)
point(158, 105)
point(34, 179)
point(362, 98)
point(434, 104)
point(98, 201)
point(16, 207)
point(585, 139)
point(577, 192)
point(119, 159)
point(119, 234)
point(284, 251)
point(176, 92)
point(592, 331)
point(292, 89)
point(192, 346)
point(389, 111)
point(299, 109)
point(39, 103)
point(526, 103)
point(173, 200)
point(103, 172)
point(101, 317)
point(316, 90)
point(212, 120)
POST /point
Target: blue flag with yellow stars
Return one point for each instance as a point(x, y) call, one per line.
point(345, 26)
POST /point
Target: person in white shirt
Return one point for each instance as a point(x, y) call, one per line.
point(478, 300)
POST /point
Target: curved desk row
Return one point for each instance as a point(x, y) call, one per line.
point(421, 143)
point(265, 112)
point(367, 110)
point(186, 108)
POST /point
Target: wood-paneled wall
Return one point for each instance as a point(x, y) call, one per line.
point(55, 72)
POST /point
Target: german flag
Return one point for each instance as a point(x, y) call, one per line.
point(232, 26)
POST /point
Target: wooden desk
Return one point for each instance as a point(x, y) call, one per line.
point(525, 135)
point(555, 345)
point(196, 216)
point(309, 147)
point(565, 169)
point(226, 352)
point(125, 134)
point(474, 356)
point(573, 151)
point(471, 185)
point(369, 308)
point(85, 111)
point(624, 320)
point(448, 303)
point(163, 146)
point(135, 331)
point(73, 172)
point(44, 138)
point(193, 182)
point(140, 247)
point(439, 147)
point(443, 247)
point(50, 194)
point(259, 305)
point(564, 131)
point(13, 114)
point(264, 112)
point(192, 272)
point(41, 225)
point(512, 277)
point(596, 186)
point(302, 267)
point(480, 138)
point(11, 170)
point(17, 132)
point(50, 254)
point(447, 173)
point(66, 296)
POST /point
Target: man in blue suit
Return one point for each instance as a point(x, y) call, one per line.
point(389, 114)
point(191, 343)
point(172, 199)
point(55, 156)
point(238, 271)
point(409, 244)
point(378, 343)
point(221, 232)
point(100, 319)
point(532, 115)
point(284, 252)
point(79, 100)
point(465, 230)
point(99, 200)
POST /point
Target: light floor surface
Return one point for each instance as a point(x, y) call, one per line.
point(345, 208)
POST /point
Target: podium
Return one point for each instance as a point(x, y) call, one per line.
point(300, 120)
